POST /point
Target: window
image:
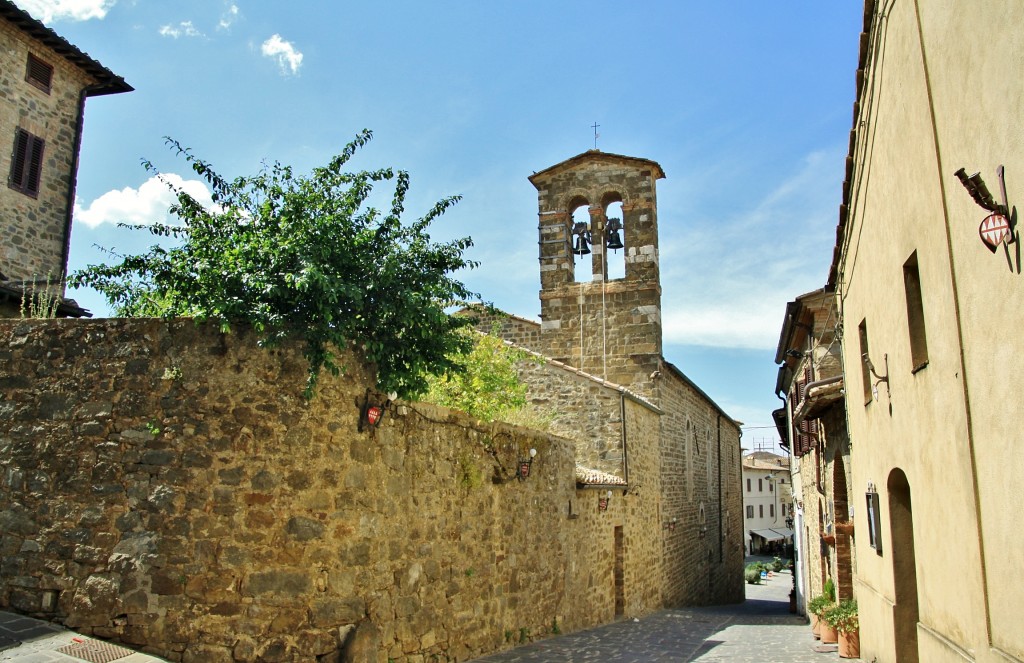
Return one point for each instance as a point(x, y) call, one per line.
point(865, 375)
point(771, 510)
point(782, 508)
point(26, 163)
point(748, 484)
point(771, 486)
point(760, 511)
point(750, 512)
point(915, 314)
point(38, 73)
point(760, 485)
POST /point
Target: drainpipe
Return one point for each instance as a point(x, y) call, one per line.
point(73, 182)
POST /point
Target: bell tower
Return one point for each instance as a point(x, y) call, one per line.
point(610, 328)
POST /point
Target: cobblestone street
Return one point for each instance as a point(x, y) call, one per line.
point(760, 629)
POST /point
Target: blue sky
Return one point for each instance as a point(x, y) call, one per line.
point(746, 105)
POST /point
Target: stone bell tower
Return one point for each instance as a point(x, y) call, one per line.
point(608, 328)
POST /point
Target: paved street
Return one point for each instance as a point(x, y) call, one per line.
point(760, 629)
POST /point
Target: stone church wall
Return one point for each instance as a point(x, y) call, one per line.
point(701, 475)
point(166, 486)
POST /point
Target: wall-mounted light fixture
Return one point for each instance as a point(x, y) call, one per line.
point(672, 524)
point(796, 354)
point(603, 499)
point(998, 227)
point(878, 378)
point(370, 413)
point(524, 465)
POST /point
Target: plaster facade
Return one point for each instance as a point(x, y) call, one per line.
point(934, 430)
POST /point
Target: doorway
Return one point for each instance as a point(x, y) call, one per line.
point(904, 567)
point(620, 573)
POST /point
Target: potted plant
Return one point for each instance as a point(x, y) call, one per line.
point(843, 618)
point(816, 607)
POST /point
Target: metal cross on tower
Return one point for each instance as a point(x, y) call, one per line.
point(595, 126)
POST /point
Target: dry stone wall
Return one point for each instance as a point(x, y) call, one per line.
point(166, 486)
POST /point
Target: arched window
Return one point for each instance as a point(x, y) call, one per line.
point(615, 258)
point(584, 268)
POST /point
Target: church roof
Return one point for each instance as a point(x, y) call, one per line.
point(598, 156)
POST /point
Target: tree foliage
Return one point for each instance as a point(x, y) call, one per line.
point(306, 256)
point(487, 384)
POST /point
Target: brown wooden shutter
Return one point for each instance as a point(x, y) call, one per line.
point(39, 73)
point(26, 163)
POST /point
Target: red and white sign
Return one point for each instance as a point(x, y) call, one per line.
point(373, 415)
point(995, 230)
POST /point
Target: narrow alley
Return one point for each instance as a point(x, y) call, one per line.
point(760, 630)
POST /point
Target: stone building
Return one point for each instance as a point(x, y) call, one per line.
point(767, 503)
point(43, 89)
point(927, 273)
point(610, 329)
point(813, 426)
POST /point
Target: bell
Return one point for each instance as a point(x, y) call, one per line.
point(581, 248)
point(612, 237)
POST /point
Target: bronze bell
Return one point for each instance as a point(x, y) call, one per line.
point(582, 247)
point(612, 238)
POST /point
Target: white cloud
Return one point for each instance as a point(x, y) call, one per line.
point(73, 10)
point(145, 205)
point(287, 56)
point(230, 16)
point(183, 29)
point(761, 258)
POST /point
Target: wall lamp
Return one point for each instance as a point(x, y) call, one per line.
point(524, 465)
point(671, 525)
point(878, 378)
point(603, 500)
point(796, 354)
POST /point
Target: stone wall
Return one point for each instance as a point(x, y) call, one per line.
point(166, 486)
point(701, 473)
point(34, 228)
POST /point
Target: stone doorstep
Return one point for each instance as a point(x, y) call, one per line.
point(8, 642)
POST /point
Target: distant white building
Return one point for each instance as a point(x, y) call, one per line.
point(767, 503)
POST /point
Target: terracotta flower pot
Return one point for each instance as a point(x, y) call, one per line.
point(849, 644)
point(816, 626)
point(829, 636)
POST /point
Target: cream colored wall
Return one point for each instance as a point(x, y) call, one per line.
point(979, 109)
point(903, 194)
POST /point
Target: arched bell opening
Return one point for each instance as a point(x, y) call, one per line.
point(581, 241)
point(614, 241)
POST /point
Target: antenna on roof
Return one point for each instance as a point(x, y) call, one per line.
point(595, 125)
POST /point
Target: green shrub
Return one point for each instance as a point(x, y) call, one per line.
point(843, 616)
point(752, 575)
point(829, 590)
point(819, 605)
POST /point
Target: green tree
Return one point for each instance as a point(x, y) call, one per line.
point(487, 384)
point(305, 256)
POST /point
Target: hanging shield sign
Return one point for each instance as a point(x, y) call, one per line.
point(994, 230)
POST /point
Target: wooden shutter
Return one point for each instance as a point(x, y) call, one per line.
point(39, 73)
point(26, 163)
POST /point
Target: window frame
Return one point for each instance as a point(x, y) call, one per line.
point(915, 314)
